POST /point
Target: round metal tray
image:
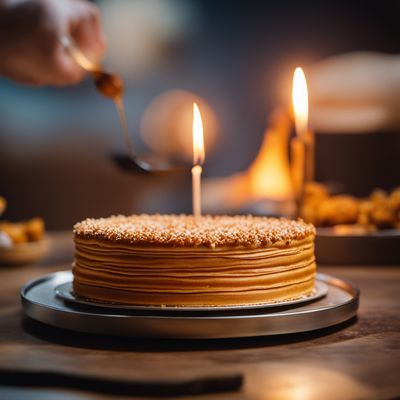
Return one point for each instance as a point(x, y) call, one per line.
point(65, 292)
point(41, 303)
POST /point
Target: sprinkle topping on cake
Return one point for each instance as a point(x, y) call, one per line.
point(186, 230)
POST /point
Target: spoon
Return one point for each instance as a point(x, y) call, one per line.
point(111, 86)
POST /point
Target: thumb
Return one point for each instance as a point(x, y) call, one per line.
point(64, 69)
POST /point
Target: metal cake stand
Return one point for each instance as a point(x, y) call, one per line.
point(335, 305)
point(65, 292)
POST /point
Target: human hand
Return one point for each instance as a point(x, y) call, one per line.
point(355, 93)
point(30, 31)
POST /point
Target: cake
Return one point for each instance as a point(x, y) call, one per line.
point(180, 260)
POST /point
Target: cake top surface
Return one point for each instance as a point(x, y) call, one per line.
point(186, 230)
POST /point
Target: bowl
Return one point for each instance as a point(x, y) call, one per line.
point(24, 253)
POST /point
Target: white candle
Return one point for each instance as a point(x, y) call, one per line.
point(198, 159)
point(196, 190)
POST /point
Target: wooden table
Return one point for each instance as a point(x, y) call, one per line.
point(360, 359)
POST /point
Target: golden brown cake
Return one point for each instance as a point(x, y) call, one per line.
point(178, 260)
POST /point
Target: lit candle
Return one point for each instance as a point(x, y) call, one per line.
point(198, 159)
point(302, 146)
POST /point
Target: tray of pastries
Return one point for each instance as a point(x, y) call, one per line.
point(353, 230)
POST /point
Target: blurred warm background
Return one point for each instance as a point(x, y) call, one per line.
point(236, 59)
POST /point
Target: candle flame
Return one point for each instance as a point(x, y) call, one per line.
point(300, 102)
point(198, 137)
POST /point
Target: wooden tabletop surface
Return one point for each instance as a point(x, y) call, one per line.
point(357, 360)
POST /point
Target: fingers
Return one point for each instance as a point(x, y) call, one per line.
point(33, 53)
point(87, 33)
point(83, 25)
point(63, 70)
point(51, 63)
point(57, 68)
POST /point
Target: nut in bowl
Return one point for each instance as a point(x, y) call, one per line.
point(21, 242)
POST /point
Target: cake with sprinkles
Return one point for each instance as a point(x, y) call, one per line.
point(183, 261)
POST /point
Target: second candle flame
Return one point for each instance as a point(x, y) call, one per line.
point(300, 102)
point(198, 137)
